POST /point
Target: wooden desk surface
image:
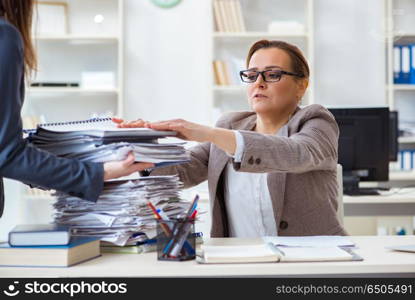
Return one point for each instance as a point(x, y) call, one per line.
point(378, 261)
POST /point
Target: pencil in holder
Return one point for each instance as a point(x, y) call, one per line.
point(176, 240)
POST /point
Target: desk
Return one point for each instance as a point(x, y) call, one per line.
point(399, 203)
point(377, 262)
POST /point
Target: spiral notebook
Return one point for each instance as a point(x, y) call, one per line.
point(97, 127)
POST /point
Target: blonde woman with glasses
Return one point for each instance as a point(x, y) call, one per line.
point(272, 170)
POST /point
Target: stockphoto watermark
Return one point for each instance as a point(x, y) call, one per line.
point(71, 289)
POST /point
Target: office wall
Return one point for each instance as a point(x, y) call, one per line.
point(167, 53)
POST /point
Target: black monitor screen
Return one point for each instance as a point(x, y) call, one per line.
point(364, 142)
point(393, 136)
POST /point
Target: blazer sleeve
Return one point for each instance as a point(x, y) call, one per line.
point(313, 147)
point(20, 161)
point(193, 172)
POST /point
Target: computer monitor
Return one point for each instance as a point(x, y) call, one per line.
point(364, 146)
point(393, 136)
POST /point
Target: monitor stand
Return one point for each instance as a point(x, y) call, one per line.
point(351, 187)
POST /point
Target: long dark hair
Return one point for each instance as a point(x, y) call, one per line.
point(19, 13)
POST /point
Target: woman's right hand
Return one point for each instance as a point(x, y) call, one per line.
point(125, 167)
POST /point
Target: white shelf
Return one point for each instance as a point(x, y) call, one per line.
point(79, 38)
point(404, 87)
point(75, 90)
point(401, 175)
point(229, 88)
point(404, 35)
point(251, 34)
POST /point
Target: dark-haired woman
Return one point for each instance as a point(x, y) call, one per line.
point(18, 160)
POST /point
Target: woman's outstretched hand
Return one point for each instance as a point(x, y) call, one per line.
point(132, 124)
point(185, 130)
point(223, 138)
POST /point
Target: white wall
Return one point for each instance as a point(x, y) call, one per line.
point(349, 52)
point(167, 60)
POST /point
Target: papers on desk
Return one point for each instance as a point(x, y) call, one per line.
point(238, 251)
point(121, 215)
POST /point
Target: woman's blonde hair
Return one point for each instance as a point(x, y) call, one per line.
point(299, 64)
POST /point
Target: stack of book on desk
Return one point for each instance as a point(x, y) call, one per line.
point(46, 245)
point(121, 215)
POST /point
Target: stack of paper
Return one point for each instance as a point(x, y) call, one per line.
point(121, 215)
point(99, 140)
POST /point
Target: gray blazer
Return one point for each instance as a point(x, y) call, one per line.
point(301, 162)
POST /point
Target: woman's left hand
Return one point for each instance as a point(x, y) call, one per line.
point(223, 138)
point(185, 130)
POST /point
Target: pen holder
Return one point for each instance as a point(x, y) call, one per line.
point(176, 240)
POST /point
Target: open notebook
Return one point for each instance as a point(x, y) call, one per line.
point(241, 252)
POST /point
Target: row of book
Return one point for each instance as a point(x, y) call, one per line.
point(221, 72)
point(228, 16)
point(404, 64)
point(227, 73)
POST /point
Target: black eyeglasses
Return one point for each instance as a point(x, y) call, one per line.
point(251, 76)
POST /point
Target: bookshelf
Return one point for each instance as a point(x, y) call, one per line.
point(85, 46)
point(236, 25)
point(399, 24)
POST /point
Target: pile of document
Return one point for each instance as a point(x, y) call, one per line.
point(121, 215)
